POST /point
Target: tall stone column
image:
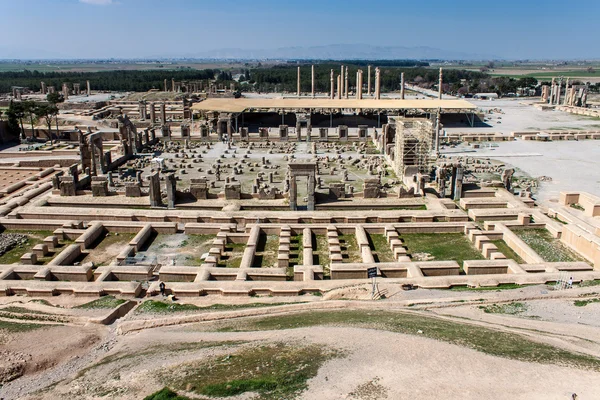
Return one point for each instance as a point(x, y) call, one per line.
point(171, 182)
point(43, 87)
point(332, 95)
point(553, 91)
point(402, 85)
point(293, 194)
point(566, 92)
point(154, 186)
point(89, 88)
point(166, 88)
point(312, 80)
point(163, 113)
point(310, 204)
point(458, 183)
point(440, 84)
point(298, 81)
point(359, 84)
point(152, 113)
point(559, 87)
point(339, 87)
point(377, 83)
point(346, 83)
point(369, 80)
point(173, 84)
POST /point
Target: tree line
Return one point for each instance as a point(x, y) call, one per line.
point(131, 80)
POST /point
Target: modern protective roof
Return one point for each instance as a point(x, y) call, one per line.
point(248, 105)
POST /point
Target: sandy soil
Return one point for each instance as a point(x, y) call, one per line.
point(373, 364)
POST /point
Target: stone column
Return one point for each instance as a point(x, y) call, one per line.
point(298, 81)
point(332, 95)
point(369, 81)
point(43, 85)
point(172, 84)
point(559, 87)
point(293, 193)
point(457, 179)
point(553, 91)
point(298, 130)
point(440, 85)
point(566, 92)
point(312, 77)
point(163, 113)
point(154, 190)
point(402, 85)
point(310, 204)
point(377, 83)
point(142, 109)
point(346, 83)
point(339, 87)
point(89, 88)
point(152, 113)
point(171, 182)
point(166, 88)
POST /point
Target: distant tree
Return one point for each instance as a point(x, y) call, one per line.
point(55, 98)
point(18, 112)
point(47, 111)
point(29, 107)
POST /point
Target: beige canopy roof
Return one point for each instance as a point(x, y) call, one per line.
point(242, 105)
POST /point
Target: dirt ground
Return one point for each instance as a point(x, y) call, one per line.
point(90, 361)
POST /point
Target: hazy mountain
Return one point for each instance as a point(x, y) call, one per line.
point(342, 51)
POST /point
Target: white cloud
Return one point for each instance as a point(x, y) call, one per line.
point(98, 2)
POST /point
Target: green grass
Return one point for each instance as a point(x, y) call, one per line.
point(500, 344)
point(547, 247)
point(296, 251)
point(595, 282)
point(507, 251)
point(161, 307)
point(275, 371)
point(101, 303)
point(577, 207)
point(583, 303)
point(165, 394)
point(233, 255)
point(267, 250)
point(504, 286)
point(380, 248)
point(509, 308)
point(442, 246)
point(14, 327)
point(350, 252)
point(153, 306)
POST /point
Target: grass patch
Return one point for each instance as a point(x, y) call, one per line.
point(380, 248)
point(577, 207)
point(232, 258)
point(349, 246)
point(442, 246)
point(102, 303)
point(15, 327)
point(507, 251)
point(504, 286)
point(165, 394)
point(510, 308)
point(276, 371)
point(500, 344)
point(266, 251)
point(595, 282)
point(161, 307)
point(549, 248)
point(583, 303)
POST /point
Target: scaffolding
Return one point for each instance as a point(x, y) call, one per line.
point(413, 145)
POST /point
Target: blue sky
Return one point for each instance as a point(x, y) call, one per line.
point(143, 28)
